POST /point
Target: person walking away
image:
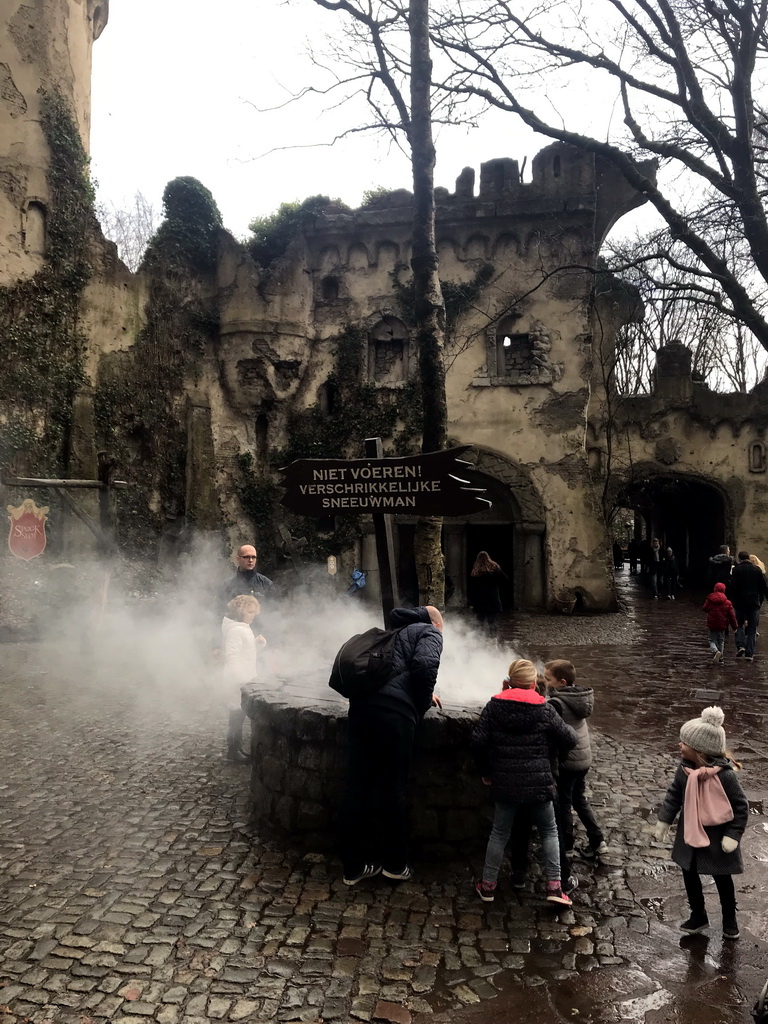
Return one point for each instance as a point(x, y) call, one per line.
point(574, 704)
point(720, 615)
point(758, 562)
point(713, 815)
point(511, 746)
point(618, 555)
point(720, 567)
point(373, 825)
point(671, 574)
point(240, 646)
point(484, 595)
point(633, 552)
point(656, 566)
point(747, 591)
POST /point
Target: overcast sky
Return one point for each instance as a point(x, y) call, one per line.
point(176, 84)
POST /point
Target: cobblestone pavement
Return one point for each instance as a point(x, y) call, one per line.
point(132, 887)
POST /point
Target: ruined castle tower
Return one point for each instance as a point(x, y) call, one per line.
point(45, 46)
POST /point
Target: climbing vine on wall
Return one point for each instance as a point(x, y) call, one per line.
point(43, 345)
point(336, 427)
point(139, 401)
point(459, 297)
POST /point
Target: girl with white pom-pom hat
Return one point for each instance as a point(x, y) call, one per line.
point(713, 816)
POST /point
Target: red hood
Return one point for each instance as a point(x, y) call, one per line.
point(718, 597)
point(523, 696)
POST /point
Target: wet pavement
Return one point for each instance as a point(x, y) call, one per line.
point(132, 886)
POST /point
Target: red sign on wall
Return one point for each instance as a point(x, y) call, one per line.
point(26, 537)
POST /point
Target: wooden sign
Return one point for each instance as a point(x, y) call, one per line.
point(436, 484)
point(26, 537)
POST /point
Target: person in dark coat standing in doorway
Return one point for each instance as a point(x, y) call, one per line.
point(381, 730)
point(484, 595)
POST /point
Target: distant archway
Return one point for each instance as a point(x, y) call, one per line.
point(689, 514)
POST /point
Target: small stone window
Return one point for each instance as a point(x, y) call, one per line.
point(757, 457)
point(35, 228)
point(515, 354)
point(388, 352)
point(327, 398)
point(329, 287)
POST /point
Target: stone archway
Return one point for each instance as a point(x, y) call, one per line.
point(512, 531)
point(692, 514)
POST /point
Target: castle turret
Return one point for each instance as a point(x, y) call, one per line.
point(45, 48)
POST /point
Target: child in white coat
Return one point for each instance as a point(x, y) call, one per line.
point(240, 646)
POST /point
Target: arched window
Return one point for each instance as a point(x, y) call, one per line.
point(757, 458)
point(388, 352)
point(35, 228)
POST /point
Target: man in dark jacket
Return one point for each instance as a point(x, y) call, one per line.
point(247, 580)
point(381, 731)
point(747, 591)
point(720, 566)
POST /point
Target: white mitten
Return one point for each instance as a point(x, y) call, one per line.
point(661, 831)
point(728, 844)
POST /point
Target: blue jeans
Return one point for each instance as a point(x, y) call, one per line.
point(543, 817)
point(745, 637)
point(716, 640)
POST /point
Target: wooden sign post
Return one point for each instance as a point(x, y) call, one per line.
point(435, 484)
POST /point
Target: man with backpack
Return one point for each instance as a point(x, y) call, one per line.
point(381, 729)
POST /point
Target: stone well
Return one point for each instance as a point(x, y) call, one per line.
point(299, 741)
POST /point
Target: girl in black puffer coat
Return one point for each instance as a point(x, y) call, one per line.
point(512, 743)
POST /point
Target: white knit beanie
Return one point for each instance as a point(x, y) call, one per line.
point(706, 734)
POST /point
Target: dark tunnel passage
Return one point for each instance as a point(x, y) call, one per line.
point(688, 515)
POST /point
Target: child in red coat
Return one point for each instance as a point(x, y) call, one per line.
point(720, 615)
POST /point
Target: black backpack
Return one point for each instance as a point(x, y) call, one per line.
point(364, 663)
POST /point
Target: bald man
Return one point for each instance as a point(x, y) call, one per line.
point(381, 730)
point(247, 580)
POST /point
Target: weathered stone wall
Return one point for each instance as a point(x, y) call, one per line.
point(46, 44)
point(299, 749)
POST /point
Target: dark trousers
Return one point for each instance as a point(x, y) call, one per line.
point(373, 825)
point(572, 796)
point(748, 620)
point(488, 621)
point(695, 893)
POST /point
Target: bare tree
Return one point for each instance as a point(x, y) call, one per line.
point(397, 82)
point(130, 227)
point(677, 306)
point(687, 77)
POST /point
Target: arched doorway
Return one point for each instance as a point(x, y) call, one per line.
point(511, 531)
point(689, 514)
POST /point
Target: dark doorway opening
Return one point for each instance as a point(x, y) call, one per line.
point(689, 516)
point(498, 541)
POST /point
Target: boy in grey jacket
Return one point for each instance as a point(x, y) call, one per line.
point(574, 704)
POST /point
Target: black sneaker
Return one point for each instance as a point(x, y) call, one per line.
point(695, 923)
point(741, 652)
point(747, 657)
point(518, 879)
point(368, 871)
point(399, 876)
point(730, 928)
point(570, 884)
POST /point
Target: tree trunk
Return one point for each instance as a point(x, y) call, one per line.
point(428, 299)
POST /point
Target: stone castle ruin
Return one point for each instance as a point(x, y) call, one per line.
point(204, 372)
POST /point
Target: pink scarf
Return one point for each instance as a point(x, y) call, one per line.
point(705, 804)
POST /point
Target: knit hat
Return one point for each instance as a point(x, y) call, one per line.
point(706, 734)
point(720, 588)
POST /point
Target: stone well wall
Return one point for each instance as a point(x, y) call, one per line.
point(299, 757)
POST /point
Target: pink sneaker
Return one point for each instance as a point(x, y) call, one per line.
point(486, 891)
point(555, 894)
